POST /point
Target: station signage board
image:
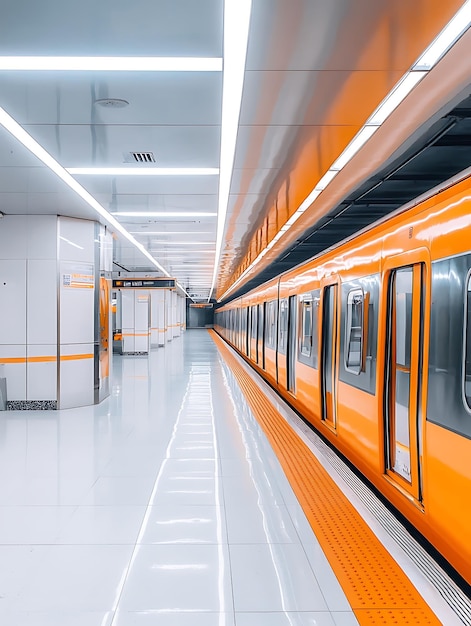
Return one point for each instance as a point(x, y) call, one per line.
point(144, 283)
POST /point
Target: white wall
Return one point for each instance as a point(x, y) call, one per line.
point(28, 311)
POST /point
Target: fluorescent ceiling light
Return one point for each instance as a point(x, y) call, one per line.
point(395, 97)
point(171, 232)
point(33, 146)
point(165, 214)
point(185, 243)
point(452, 31)
point(326, 179)
point(357, 142)
point(112, 64)
point(236, 35)
point(144, 171)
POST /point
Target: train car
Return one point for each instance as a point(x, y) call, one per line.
point(371, 343)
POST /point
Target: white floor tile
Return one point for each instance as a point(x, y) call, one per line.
point(61, 618)
point(175, 577)
point(76, 578)
point(119, 490)
point(103, 525)
point(174, 618)
point(284, 619)
point(264, 524)
point(192, 490)
point(274, 577)
point(185, 524)
point(33, 524)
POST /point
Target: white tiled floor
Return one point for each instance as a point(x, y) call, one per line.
point(164, 505)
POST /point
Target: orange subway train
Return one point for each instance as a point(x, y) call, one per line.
point(371, 343)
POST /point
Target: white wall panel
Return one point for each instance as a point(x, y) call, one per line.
point(41, 379)
point(41, 237)
point(77, 313)
point(158, 323)
point(15, 373)
point(141, 321)
point(13, 239)
point(76, 240)
point(127, 308)
point(13, 302)
point(76, 376)
point(41, 302)
point(106, 250)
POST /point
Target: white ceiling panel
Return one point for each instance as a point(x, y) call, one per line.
point(162, 98)
point(109, 28)
point(105, 145)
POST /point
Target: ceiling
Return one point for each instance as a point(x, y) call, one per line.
point(315, 71)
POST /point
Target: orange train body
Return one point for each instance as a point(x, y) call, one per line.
point(370, 343)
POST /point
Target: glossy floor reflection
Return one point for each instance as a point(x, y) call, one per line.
point(163, 505)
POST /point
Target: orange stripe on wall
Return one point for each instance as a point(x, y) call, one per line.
point(44, 359)
point(75, 357)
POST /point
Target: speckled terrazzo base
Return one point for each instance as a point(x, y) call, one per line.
point(31, 405)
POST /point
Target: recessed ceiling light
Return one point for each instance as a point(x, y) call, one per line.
point(112, 103)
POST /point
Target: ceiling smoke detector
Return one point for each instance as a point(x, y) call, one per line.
point(112, 103)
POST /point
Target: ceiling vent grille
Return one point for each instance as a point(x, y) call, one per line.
point(139, 157)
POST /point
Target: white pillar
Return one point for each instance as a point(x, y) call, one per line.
point(174, 314)
point(55, 332)
point(158, 317)
point(168, 312)
point(135, 320)
point(178, 329)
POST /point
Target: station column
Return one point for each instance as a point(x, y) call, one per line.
point(55, 318)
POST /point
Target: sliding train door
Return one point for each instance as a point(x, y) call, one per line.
point(292, 346)
point(403, 375)
point(329, 365)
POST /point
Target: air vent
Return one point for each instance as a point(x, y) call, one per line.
point(139, 157)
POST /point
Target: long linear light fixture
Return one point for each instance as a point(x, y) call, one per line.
point(169, 232)
point(236, 34)
point(111, 64)
point(455, 28)
point(144, 171)
point(165, 214)
point(35, 148)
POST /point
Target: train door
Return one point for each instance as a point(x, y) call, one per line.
point(255, 331)
point(330, 315)
point(404, 339)
point(247, 330)
point(291, 348)
point(262, 331)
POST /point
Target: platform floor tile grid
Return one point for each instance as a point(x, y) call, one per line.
point(163, 505)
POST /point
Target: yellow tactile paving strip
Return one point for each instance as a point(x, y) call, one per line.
point(377, 589)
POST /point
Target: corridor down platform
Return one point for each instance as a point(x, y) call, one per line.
point(164, 505)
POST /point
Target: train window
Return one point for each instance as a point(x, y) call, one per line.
point(354, 331)
point(283, 336)
point(306, 327)
point(271, 324)
point(254, 322)
point(467, 345)
point(358, 347)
